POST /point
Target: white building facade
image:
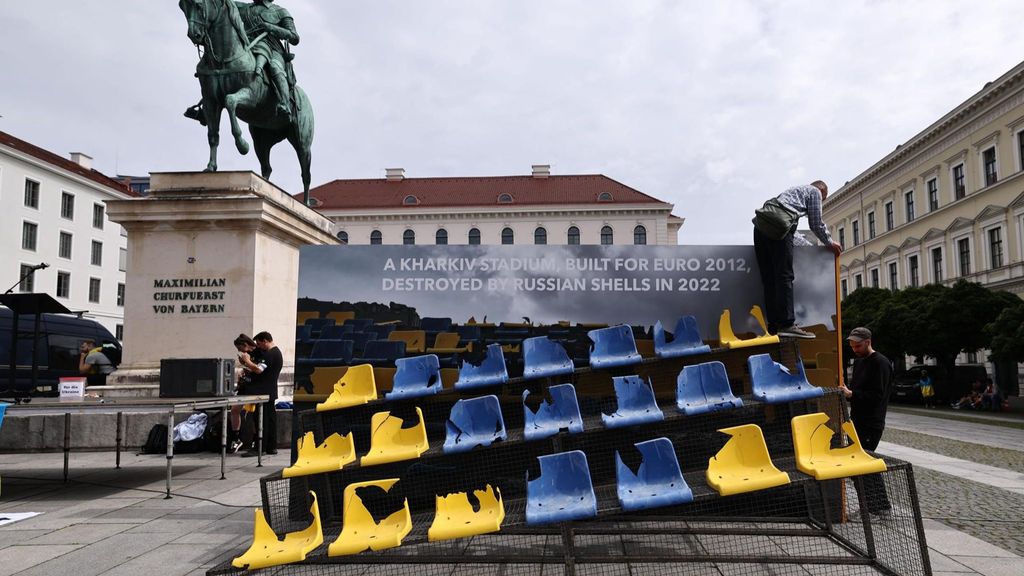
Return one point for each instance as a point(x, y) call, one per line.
point(52, 211)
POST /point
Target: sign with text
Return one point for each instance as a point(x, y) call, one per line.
point(189, 296)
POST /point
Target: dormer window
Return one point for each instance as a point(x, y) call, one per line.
point(605, 197)
point(505, 198)
point(410, 200)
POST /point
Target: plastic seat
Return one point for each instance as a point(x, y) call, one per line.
point(332, 455)
point(317, 324)
point(328, 353)
point(812, 441)
point(3, 408)
point(729, 339)
point(613, 347)
point(391, 442)
point(334, 332)
point(563, 490)
point(703, 388)
point(563, 412)
point(415, 377)
point(455, 517)
point(355, 387)
point(359, 531)
point(474, 422)
point(468, 333)
point(544, 358)
point(743, 464)
point(489, 372)
point(303, 315)
point(359, 340)
point(772, 383)
point(382, 353)
point(340, 316)
point(267, 550)
point(303, 333)
point(447, 343)
point(657, 482)
point(636, 403)
point(415, 340)
point(359, 323)
point(686, 340)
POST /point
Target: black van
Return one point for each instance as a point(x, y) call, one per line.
point(60, 336)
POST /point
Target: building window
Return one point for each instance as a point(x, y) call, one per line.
point(474, 236)
point(410, 200)
point(933, 194)
point(508, 236)
point(97, 216)
point(856, 232)
point(959, 184)
point(889, 218)
point(28, 275)
point(894, 282)
point(995, 247)
point(343, 237)
point(94, 290)
point(96, 258)
point(441, 237)
point(604, 197)
point(843, 289)
point(119, 331)
point(988, 159)
point(858, 282)
point(972, 357)
point(63, 284)
point(505, 198)
point(64, 245)
point(120, 295)
point(122, 259)
point(874, 277)
point(408, 237)
point(573, 237)
point(871, 225)
point(914, 269)
point(639, 235)
point(28, 236)
point(1020, 148)
point(909, 199)
point(963, 247)
point(67, 206)
point(376, 238)
point(842, 238)
point(606, 236)
point(540, 235)
point(937, 264)
point(31, 194)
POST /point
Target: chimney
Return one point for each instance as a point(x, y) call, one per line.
point(394, 174)
point(83, 160)
point(541, 170)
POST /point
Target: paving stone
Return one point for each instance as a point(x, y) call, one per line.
point(101, 556)
point(11, 536)
point(85, 533)
point(14, 559)
point(993, 566)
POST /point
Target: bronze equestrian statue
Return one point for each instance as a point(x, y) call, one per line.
point(245, 68)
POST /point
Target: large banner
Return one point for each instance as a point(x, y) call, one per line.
point(635, 285)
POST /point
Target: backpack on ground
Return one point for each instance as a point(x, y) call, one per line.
point(156, 442)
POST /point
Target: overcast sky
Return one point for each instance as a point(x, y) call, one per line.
point(712, 106)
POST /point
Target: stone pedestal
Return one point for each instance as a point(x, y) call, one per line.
point(210, 255)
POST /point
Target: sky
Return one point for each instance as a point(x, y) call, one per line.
point(711, 106)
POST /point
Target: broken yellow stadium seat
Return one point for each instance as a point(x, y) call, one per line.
point(743, 464)
point(456, 518)
point(340, 316)
point(267, 550)
point(359, 532)
point(332, 455)
point(324, 378)
point(390, 442)
point(415, 340)
point(728, 338)
point(447, 343)
point(812, 440)
point(301, 317)
point(355, 387)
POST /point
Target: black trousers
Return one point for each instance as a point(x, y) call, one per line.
point(870, 435)
point(775, 261)
point(270, 426)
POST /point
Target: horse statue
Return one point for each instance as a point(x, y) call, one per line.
point(245, 69)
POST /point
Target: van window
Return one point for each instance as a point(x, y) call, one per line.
point(64, 352)
point(24, 357)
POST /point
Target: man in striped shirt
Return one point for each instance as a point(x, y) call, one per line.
point(775, 257)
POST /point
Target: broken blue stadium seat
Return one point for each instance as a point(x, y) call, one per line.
point(317, 324)
point(772, 383)
point(3, 408)
point(562, 413)
point(657, 482)
point(612, 347)
point(703, 388)
point(636, 403)
point(327, 353)
point(474, 422)
point(562, 492)
point(491, 370)
point(335, 332)
point(381, 353)
point(415, 377)
point(544, 358)
point(686, 340)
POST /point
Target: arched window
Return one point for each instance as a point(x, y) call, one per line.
point(408, 237)
point(410, 200)
point(343, 237)
point(574, 236)
point(504, 198)
point(540, 235)
point(508, 236)
point(604, 197)
point(474, 236)
point(376, 237)
point(606, 235)
point(441, 237)
point(639, 235)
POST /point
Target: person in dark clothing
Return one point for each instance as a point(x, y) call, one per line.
point(868, 395)
point(264, 381)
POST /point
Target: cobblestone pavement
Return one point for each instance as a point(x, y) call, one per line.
point(993, 456)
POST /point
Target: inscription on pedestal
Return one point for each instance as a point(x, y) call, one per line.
point(190, 296)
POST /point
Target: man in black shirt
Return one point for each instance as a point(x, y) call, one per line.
point(264, 381)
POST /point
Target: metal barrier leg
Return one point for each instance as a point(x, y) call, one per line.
point(170, 450)
point(865, 516)
point(569, 549)
point(223, 438)
point(259, 435)
point(67, 443)
point(120, 424)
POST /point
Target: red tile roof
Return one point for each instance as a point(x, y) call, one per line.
point(474, 192)
point(61, 162)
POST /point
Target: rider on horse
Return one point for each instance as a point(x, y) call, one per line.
point(271, 25)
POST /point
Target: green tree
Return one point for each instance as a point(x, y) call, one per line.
point(1007, 333)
